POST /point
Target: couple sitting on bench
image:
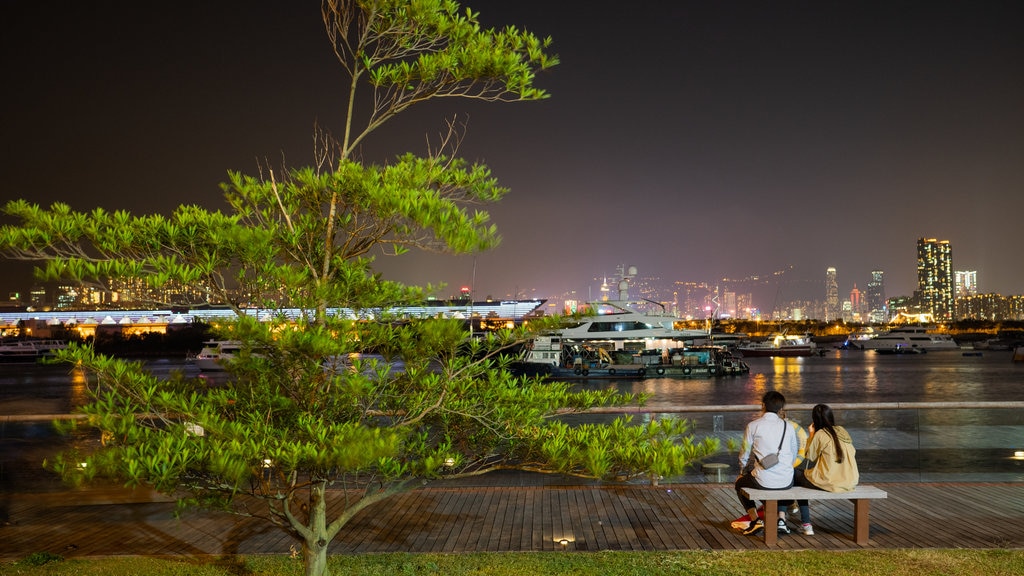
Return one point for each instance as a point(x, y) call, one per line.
point(771, 454)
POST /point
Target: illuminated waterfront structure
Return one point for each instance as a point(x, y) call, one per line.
point(128, 322)
point(935, 278)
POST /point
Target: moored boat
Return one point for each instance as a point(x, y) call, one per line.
point(615, 339)
point(782, 345)
point(914, 336)
point(556, 358)
point(216, 354)
point(28, 350)
point(900, 348)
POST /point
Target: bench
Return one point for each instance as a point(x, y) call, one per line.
point(861, 497)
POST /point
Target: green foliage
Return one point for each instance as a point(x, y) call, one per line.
point(661, 448)
point(343, 406)
point(42, 558)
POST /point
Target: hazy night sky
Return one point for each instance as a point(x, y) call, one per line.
point(694, 140)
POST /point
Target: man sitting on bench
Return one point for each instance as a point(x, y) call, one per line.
point(766, 460)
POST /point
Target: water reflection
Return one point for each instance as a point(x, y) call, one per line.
point(855, 376)
point(893, 445)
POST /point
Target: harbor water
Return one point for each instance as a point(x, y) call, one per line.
point(944, 416)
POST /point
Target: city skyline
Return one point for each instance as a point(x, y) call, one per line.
point(943, 293)
point(830, 296)
point(702, 142)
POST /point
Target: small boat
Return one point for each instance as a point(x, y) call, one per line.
point(782, 345)
point(29, 350)
point(216, 354)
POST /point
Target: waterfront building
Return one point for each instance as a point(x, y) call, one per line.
point(990, 308)
point(935, 278)
point(1015, 307)
point(129, 322)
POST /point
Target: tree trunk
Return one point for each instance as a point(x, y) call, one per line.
point(314, 547)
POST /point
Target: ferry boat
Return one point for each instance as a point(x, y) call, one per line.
point(913, 336)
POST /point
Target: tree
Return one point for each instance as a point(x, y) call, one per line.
point(343, 406)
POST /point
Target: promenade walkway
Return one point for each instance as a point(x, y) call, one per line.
point(513, 512)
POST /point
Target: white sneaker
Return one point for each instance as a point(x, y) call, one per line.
point(808, 530)
point(783, 528)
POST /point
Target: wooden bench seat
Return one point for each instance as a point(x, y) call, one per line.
point(861, 497)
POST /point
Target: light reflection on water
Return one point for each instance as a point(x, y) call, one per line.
point(892, 444)
point(854, 377)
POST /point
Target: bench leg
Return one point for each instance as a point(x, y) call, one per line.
point(861, 524)
point(771, 522)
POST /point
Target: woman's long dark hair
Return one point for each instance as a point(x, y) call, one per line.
point(824, 421)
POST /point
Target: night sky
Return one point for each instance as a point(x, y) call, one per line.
point(693, 140)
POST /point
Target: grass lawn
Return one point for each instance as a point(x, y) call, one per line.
point(920, 562)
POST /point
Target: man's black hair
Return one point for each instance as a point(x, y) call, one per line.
point(773, 401)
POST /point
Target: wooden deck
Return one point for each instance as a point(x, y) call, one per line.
point(515, 516)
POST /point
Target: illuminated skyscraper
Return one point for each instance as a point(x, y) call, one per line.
point(856, 305)
point(874, 297)
point(831, 295)
point(935, 277)
point(966, 283)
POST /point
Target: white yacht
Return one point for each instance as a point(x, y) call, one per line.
point(620, 337)
point(215, 354)
point(912, 336)
point(618, 321)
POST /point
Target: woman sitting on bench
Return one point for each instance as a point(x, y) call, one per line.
point(834, 467)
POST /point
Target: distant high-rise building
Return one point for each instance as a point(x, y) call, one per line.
point(874, 297)
point(966, 282)
point(935, 277)
point(856, 305)
point(37, 297)
point(831, 295)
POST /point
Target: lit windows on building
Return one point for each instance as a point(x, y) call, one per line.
point(935, 278)
point(966, 282)
point(831, 295)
